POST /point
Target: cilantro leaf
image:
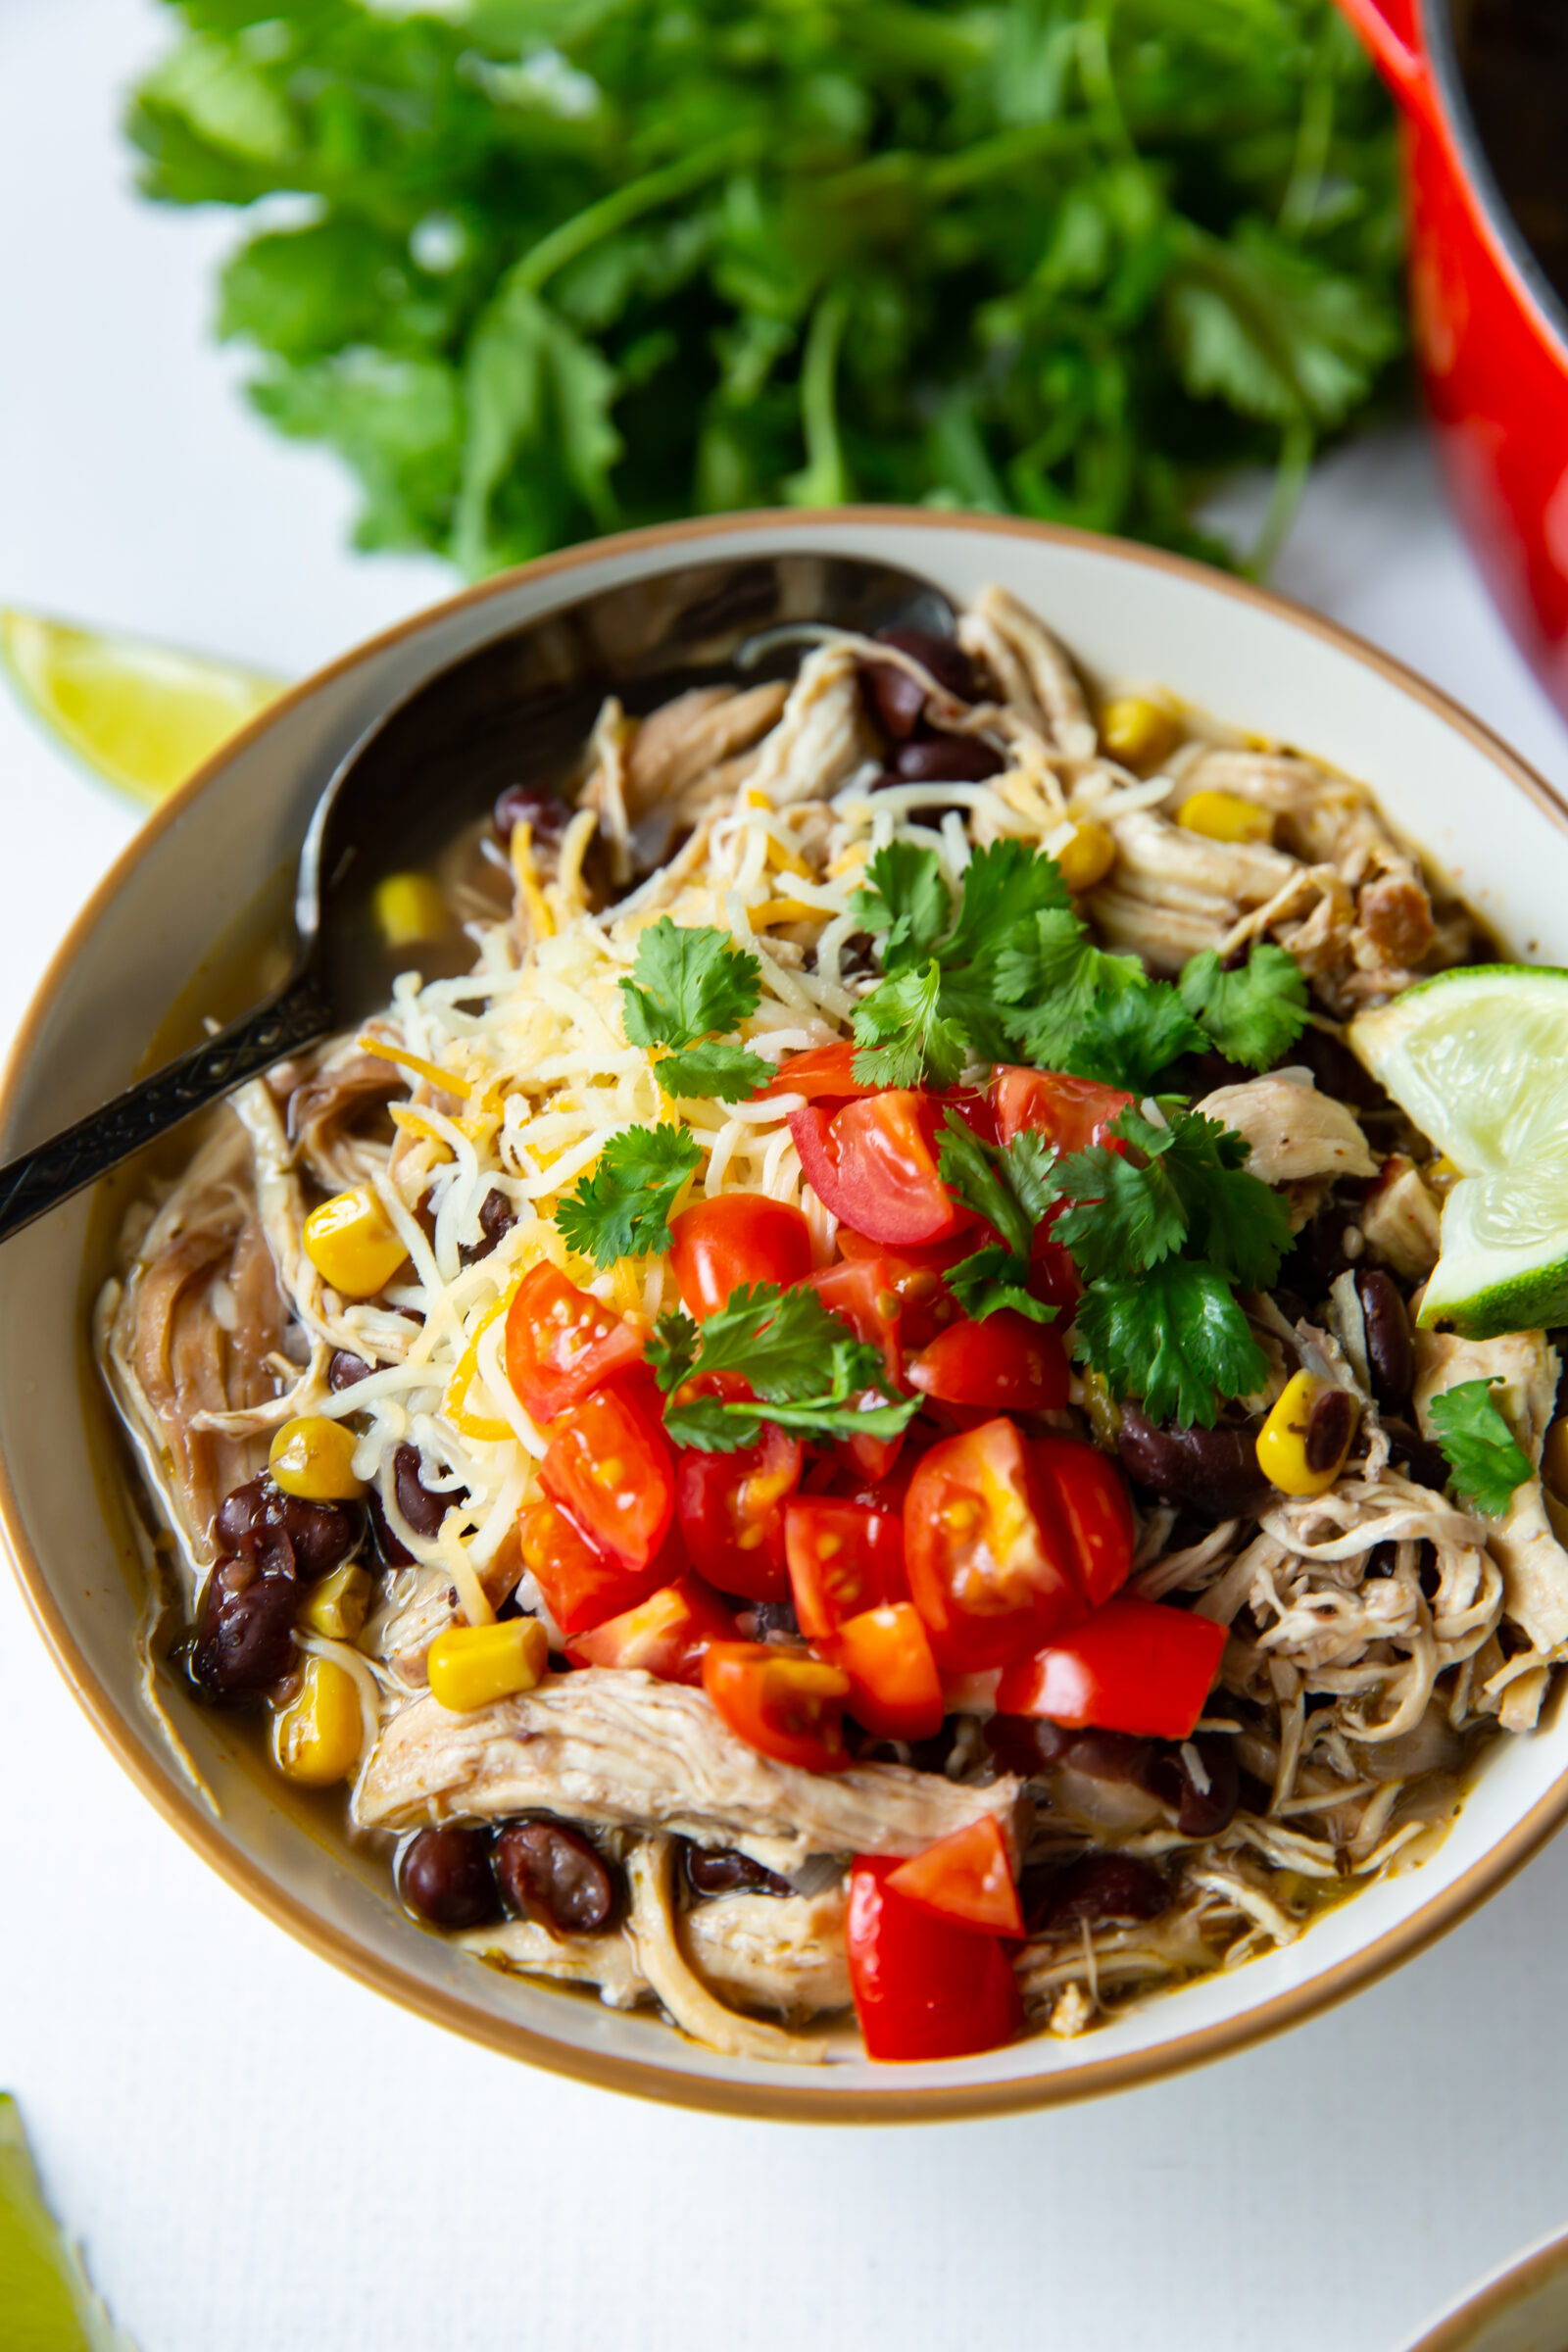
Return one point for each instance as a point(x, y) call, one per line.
point(994, 1278)
point(1190, 1192)
point(1173, 1336)
point(976, 1174)
point(1010, 1186)
point(1004, 886)
point(1129, 1035)
point(905, 1036)
point(1481, 1450)
point(908, 901)
point(622, 1210)
point(722, 1427)
point(1074, 1007)
point(805, 1369)
point(1253, 1014)
point(732, 1073)
point(687, 982)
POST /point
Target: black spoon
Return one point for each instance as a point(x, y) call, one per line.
point(517, 711)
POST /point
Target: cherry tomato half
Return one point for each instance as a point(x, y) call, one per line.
point(731, 1508)
point(988, 1564)
point(843, 1558)
point(784, 1703)
point(561, 1342)
point(1136, 1665)
point(609, 1468)
point(895, 1689)
point(874, 1165)
point(1092, 1500)
point(1007, 1363)
point(966, 1877)
point(719, 1245)
point(1073, 1112)
point(923, 1987)
point(665, 1635)
point(582, 1586)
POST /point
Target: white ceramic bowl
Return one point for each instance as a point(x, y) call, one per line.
point(1126, 614)
point(1522, 2309)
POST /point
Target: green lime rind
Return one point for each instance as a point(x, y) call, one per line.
point(48, 2303)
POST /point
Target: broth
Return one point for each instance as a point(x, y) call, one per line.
point(1514, 56)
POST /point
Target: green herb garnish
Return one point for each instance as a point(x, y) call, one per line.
point(622, 1210)
point(804, 1367)
point(1486, 1458)
point(687, 983)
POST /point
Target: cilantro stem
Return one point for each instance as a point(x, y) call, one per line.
point(824, 479)
point(1297, 443)
point(622, 206)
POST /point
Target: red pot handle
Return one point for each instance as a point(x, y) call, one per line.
point(1390, 30)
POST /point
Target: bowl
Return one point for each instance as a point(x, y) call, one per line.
point(1521, 2308)
point(163, 916)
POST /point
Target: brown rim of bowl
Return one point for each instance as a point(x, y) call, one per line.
point(789, 2102)
point(1457, 2331)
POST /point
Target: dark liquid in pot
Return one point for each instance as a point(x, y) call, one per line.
point(1515, 59)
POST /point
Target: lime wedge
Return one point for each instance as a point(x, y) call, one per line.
point(1479, 1059)
point(48, 2303)
point(143, 716)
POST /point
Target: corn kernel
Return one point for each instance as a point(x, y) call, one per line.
point(1138, 732)
point(1088, 858)
point(314, 1457)
point(351, 1245)
point(1286, 1451)
point(338, 1604)
point(408, 909)
point(317, 1738)
point(472, 1665)
point(1226, 816)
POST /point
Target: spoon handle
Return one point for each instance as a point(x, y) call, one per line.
point(43, 1178)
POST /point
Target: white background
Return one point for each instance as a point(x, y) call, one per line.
point(258, 2153)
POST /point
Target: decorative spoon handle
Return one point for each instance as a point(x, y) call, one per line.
point(40, 1178)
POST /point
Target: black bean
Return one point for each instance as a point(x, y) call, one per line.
point(244, 1639)
point(897, 699)
point(1419, 1457)
point(345, 1371)
point(946, 759)
point(1320, 1253)
point(550, 1872)
point(770, 1617)
point(1214, 1471)
point(443, 1876)
point(420, 1508)
point(496, 1217)
point(1389, 1349)
point(1335, 1069)
point(1097, 1887)
point(1026, 1743)
point(1330, 1429)
point(727, 1872)
point(535, 806)
point(1199, 1812)
point(284, 1534)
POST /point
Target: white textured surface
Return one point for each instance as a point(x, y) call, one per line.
point(258, 2153)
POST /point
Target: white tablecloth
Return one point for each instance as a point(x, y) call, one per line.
point(256, 2152)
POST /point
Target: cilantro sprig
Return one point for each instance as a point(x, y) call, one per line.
point(689, 985)
point(1007, 1186)
point(1486, 1458)
point(1254, 1013)
point(806, 1371)
point(622, 1210)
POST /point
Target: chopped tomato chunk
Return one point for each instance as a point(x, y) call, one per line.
point(966, 1877)
point(609, 1467)
point(665, 1635)
point(843, 1558)
point(719, 1245)
point(582, 1586)
point(1091, 1498)
point(731, 1508)
point(561, 1342)
point(1072, 1112)
point(821, 1071)
point(874, 1165)
point(895, 1689)
point(1136, 1665)
point(1006, 1363)
point(923, 1987)
point(784, 1703)
point(862, 1295)
point(988, 1563)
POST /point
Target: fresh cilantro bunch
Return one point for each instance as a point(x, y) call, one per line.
point(1010, 971)
point(688, 983)
point(1486, 1458)
point(552, 267)
point(804, 1368)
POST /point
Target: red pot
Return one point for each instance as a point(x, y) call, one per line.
point(1490, 331)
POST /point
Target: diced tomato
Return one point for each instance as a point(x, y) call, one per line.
point(843, 1558)
point(885, 1494)
point(895, 1689)
point(561, 1342)
point(966, 1877)
point(784, 1703)
point(1073, 1112)
point(988, 1564)
point(862, 1295)
point(1092, 1500)
point(1007, 1363)
point(717, 1246)
point(1136, 1665)
point(1052, 1276)
point(731, 1508)
point(874, 1165)
point(611, 1469)
point(582, 1586)
point(869, 1459)
point(934, 1257)
point(821, 1072)
point(924, 1987)
point(665, 1635)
